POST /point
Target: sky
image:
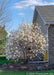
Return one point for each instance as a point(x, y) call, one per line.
point(23, 10)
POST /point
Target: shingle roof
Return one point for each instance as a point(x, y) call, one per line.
point(47, 12)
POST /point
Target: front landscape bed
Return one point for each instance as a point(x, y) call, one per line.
point(11, 65)
point(26, 67)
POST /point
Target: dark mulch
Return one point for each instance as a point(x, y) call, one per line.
point(26, 67)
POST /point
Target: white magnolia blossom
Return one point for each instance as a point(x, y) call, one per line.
point(30, 36)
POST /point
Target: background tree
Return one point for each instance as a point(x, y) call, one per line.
point(3, 35)
point(4, 19)
point(3, 32)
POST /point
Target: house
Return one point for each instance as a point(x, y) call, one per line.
point(44, 16)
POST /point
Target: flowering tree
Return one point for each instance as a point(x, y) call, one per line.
point(30, 40)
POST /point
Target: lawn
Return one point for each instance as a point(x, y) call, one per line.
point(11, 73)
point(51, 72)
point(4, 60)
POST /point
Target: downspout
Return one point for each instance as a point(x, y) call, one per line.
point(47, 43)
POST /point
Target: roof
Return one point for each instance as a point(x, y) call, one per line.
point(47, 12)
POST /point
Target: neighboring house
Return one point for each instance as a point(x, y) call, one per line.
point(44, 16)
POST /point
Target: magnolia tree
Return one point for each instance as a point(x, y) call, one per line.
point(30, 40)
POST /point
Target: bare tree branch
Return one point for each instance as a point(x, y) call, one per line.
point(4, 14)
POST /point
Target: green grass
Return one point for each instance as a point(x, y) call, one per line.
point(50, 72)
point(2, 55)
point(11, 73)
point(4, 60)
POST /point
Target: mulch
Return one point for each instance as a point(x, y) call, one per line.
point(26, 67)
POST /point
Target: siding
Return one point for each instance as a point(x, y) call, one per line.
point(41, 24)
point(35, 16)
point(51, 44)
point(43, 27)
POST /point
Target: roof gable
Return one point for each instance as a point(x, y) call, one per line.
point(47, 12)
